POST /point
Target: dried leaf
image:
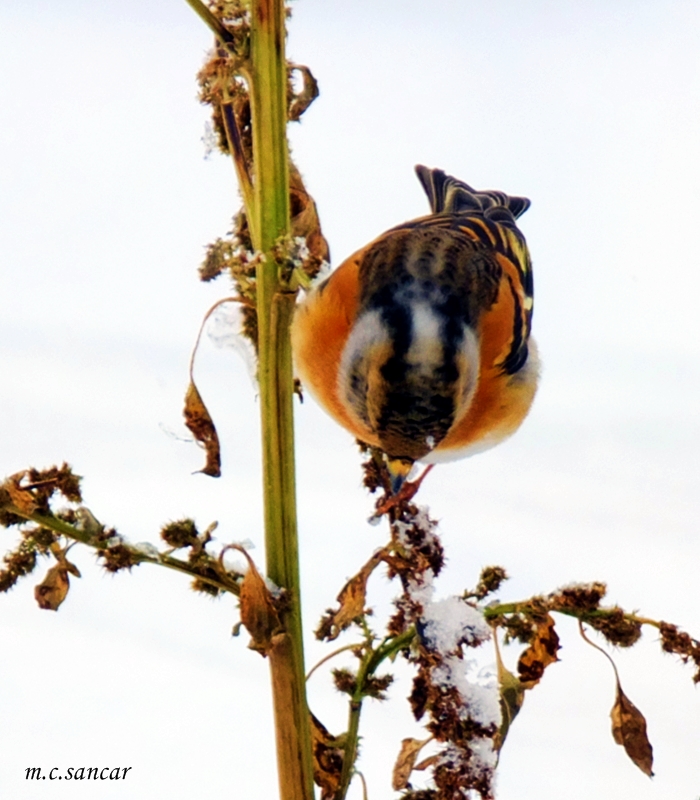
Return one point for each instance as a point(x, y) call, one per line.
point(328, 759)
point(72, 569)
point(305, 221)
point(309, 92)
point(22, 498)
point(629, 729)
point(405, 761)
point(201, 426)
point(540, 654)
point(52, 591)
point(259, 613)
point(352, 599)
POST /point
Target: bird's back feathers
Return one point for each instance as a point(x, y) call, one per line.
point(419, 342)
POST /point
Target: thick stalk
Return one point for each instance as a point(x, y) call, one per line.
point(268, 95)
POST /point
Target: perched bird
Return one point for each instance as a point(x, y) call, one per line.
point(419, 343)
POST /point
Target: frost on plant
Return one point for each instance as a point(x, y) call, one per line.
point(462, 713)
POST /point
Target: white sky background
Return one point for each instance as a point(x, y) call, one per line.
point(591, 109)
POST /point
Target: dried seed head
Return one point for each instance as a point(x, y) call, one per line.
point(182, 533)
point(490, 581)
point(616, 628)
point(345, 681)
point(117, 557)
point(580, 596)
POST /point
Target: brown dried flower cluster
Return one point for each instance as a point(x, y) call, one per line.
point(25, 502)
point(682, 644)
point(29, 494)
point(466, 731)
point(18, 562)
point(583, 601)
point(223, 84)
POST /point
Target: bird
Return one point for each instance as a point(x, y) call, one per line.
point(419, 343)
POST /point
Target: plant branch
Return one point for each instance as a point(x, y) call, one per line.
point(226, 582)
point(368, 666)
point(212, 22)
point(389, 648)
point(493, 611)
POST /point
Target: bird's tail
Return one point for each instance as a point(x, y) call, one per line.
point(448, 195)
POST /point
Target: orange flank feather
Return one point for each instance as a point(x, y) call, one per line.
point(501, 402)
point(319, 333)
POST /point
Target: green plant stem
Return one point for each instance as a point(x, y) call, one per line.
point(350, 751)
point(162, 560)
point(211, 21)
point(271, 220)
point(368, 666)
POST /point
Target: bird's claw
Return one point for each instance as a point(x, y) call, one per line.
point(406, 493)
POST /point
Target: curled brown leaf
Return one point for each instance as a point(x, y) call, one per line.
point(352, 601)
point(306, 223)
point(540, 654)
point(201, 425)
point(405, 762)
point(328, 759)
point(20, 497)
point(258, 609)
point(52, 591)
point(629, 729)
point(302, 99)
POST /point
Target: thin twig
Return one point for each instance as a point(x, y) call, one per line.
point(598, 647)
point(365, 794)
point(332, 655)
point(204, 322)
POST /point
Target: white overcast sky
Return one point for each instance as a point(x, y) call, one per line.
point(592, 109)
